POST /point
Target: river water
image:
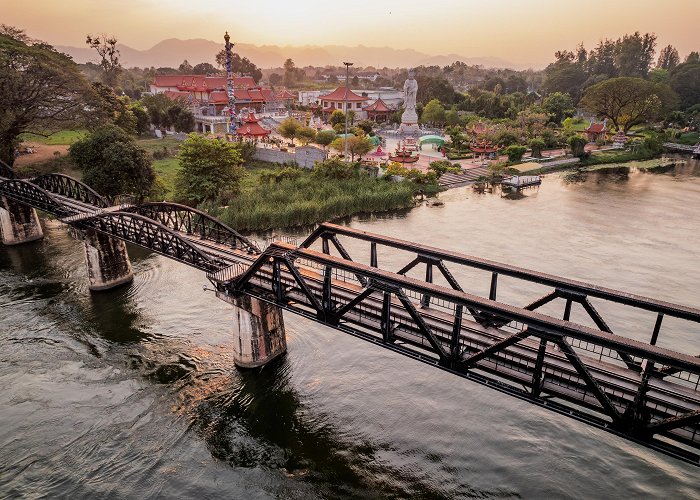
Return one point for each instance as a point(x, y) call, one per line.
point(132, 392)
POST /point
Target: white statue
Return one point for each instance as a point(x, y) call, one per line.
point(410, 89)
point(409, 119)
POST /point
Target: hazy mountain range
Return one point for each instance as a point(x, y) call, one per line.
point(171, 52)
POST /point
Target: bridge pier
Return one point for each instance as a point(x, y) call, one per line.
point(19, 223)
point(107, 261)
point(259, 335)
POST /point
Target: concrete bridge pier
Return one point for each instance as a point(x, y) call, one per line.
point(19, 223)
point(107, 262)
point(259, 335)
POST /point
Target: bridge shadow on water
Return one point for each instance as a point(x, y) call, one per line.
point(255, 418)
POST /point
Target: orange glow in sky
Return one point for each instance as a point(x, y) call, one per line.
point(527, 31)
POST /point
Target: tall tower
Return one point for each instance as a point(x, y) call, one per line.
point(229, 82)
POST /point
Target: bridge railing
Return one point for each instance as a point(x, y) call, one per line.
point(569, 367)
point(435, 262)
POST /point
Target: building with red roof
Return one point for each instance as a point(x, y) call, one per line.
point(336, 101)
point(378, 111)
point(208, 95)
point(597, 131)
point(251, 128)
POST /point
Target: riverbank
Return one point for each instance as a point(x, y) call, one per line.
point(308, 200)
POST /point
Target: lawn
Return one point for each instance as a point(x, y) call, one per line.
point(62, 137)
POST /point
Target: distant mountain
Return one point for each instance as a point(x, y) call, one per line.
point(171, 52)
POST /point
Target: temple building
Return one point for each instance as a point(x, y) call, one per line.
point(336, 101)
point(597, 131)
point(251, 128)
point(208, 98)
point(378, 111)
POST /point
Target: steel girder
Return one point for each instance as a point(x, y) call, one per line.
point(150, 234)
point(69, 187)
point(548, 361)
point(192, 221)
point(25, 192)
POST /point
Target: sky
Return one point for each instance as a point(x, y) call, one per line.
point(524, 31)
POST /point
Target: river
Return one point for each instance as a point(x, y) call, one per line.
point(132, 392)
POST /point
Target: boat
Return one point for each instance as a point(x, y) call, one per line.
point(403, 156)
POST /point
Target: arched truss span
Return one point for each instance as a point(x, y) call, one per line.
point(153, 235)
point(192, 221)
point(25, 192)
point(69, 187)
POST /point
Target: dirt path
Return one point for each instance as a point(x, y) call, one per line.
point(42, 152)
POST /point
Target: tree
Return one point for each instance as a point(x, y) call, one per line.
point(115, 109)
point(324, 137)
point(337, 117)
point(185, 68)
point(452, 117)
point(335, 169)
point(41, 91)
point(204, 68)
point(456, 136)
point(537, 145)
point(559, 106)
point(113, 164)
point(165, 113)
point(240, 65)
point(305, 135)
point(577, 145)
point(685, 81)
point(143, 122)
point(693, 57)
point(356, 145)
point(291, 74)
point(668, 58)
point(565, 77)
point(289, 127)
point(628, 101)
point(635, 54)
point(210, 170)
point(275, 79)
point(106, 48)
point(515, 153)
point(433, 112)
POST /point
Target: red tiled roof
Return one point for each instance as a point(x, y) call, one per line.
point(339, 95)
point(597, 128)
point(202, 82)
point(285, 95)
point(378, 106)
point(251, 127)
point(176, 95)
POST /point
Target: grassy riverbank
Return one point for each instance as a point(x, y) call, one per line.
point(308, 200)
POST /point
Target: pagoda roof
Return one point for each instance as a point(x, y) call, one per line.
point(339, 95)
point(286, 94)
point(251, 127)
point(597, 127)
point(378, 106)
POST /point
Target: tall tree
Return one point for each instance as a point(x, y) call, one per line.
point(106, 48)
point(668, 58)
point(628, 101)
point(240, 65)
point(433, 112)
point(204, 68)
point(185, 68)
point(41, 90)
point(693, 57)
point(635, 54)
point(685, 81)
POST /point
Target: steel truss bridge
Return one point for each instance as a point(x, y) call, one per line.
point(635, 389)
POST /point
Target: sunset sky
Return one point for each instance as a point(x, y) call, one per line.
point(526, 31)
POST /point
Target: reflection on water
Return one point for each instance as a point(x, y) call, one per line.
point(133, 393)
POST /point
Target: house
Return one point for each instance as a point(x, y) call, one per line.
point(597, 131)
point(336, 101)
